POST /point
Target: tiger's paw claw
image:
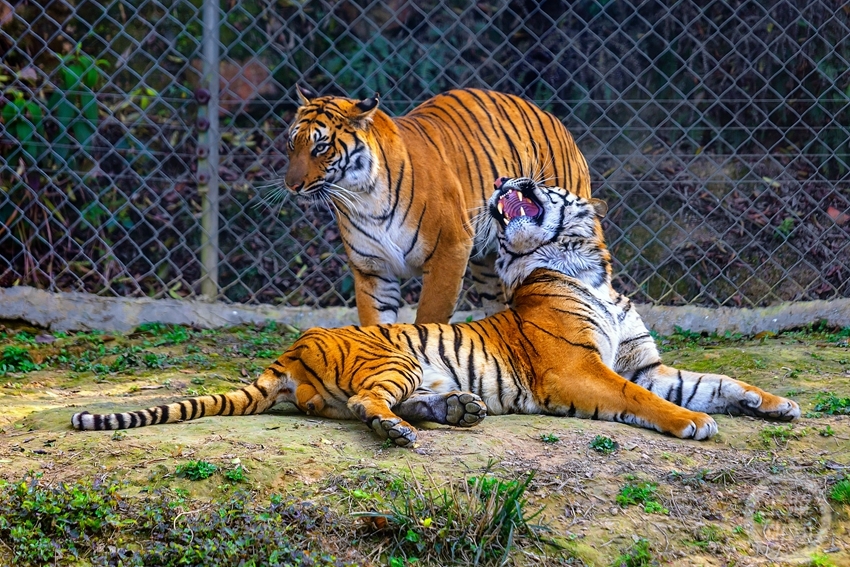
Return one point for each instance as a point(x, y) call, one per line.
point(465, 409)
point(769, 406)
point(401, 432)
point(701, 426)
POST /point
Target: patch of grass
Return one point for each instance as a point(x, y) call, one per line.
point(820, 560)
point(164, 334)
point(236, 474)
point(549, 438)
point(684, 338)
point(706, 535)
point(641, 493)
point(779, 434)
point(479, 521)
point(196, 470)
point(602, 444)
point(16, 359)
point(831, 404)
point(85, 523)
point(638, 555)
point(826, 431)
point(841, 492)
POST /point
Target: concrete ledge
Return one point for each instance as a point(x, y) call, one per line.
point(73, 311)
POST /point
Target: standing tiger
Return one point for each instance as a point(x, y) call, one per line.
point(409, 193)
point(570, 345)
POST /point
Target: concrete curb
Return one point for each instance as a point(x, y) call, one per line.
point(73, 311)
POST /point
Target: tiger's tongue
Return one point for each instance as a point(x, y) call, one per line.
point(512, 206)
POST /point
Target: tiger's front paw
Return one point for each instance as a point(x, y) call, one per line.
point(464, 409)
point(401, 432)
point(698, 426)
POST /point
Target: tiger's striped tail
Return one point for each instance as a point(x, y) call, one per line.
point(254, 398)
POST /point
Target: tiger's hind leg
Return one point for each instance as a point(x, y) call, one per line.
point(639, 362)
point(373, 405)
point(715, 393)
point(590, 389)
point(461, 409)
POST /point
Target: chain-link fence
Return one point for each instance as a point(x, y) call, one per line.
point(137, 135)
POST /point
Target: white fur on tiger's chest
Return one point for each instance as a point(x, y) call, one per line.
point(385, 245)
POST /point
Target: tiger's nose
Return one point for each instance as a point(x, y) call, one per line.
point(499, 182)
point(297, 187)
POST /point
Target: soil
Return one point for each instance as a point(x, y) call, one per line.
point(755, 494)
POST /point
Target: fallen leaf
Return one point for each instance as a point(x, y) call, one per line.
point(837, 216)
point(772, 182)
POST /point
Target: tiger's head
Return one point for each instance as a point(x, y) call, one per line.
point(547, 227)
point(330, 147)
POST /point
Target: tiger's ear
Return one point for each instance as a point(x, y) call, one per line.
point(301, 96)
point(364, 109)
point(600, 206)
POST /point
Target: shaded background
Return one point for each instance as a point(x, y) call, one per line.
point(717, 131)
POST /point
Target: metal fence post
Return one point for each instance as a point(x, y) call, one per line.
point(208, 144)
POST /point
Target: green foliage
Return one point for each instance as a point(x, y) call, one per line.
point(474, 522)
point(783, 231)
point(165, 334)
point(826, 431)
point(549, 438)
point(196, 470)
point(73, 523)
point(708, 534)
point(820, 560)
point(72, 109)
point(641, 493)
point(831, 404)
point(41, 524)
point(841, 492)
point(638, 555)
point(236, 474)
point(16, 359)
point(779, 434)
point(602, 444)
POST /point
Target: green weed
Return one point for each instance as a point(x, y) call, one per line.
point(709, 534)
point(549, 438)
point(820, 560)
point(196, 470)
point(779, 434)
point(831, 404)
point(638, 555)
point(236, 474)
point(841, 492)
point(80, 523)
point(478, 521)
point(602, 444)
point(16, 359)
point(641, 493)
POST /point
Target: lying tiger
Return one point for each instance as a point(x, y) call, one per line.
point(570, 345)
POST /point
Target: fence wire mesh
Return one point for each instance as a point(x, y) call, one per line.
point(717, 132)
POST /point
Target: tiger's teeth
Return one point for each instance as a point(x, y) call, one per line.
point(500, 206)
point(521, 212)
point(519, 195)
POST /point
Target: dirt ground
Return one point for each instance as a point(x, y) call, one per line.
point(755, 494)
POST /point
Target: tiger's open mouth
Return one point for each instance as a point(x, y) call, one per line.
point(512, 204)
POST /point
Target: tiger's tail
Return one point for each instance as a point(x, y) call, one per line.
point(257, 397)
